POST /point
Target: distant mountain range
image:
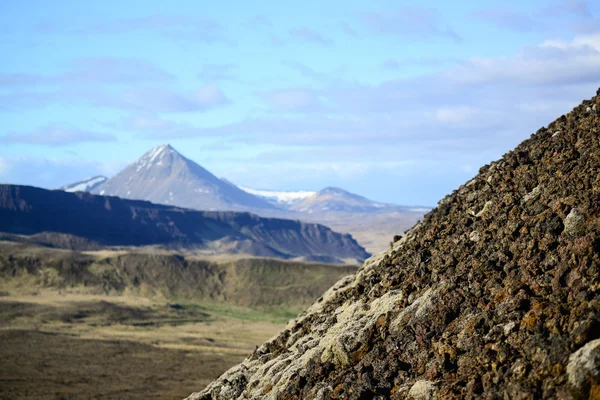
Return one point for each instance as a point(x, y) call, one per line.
point(164, 176)
point(112, 221)
point(328, 200)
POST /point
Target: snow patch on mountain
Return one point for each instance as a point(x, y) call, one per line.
point(85, 185)
point(281, 197)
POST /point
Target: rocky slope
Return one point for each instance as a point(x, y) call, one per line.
point(112, 221)
point(164, 176)
point(496, 294)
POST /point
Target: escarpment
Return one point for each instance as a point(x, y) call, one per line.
point(496, 294)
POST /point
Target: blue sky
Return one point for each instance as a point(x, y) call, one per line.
point(391, 100)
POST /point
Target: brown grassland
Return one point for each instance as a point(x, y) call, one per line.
point(130, 325)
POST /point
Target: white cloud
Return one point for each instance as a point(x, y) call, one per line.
point(549, 63)
point(455, 115)
point(57, 135)
point(4, 167)
point(592, 41)
point(49, 173)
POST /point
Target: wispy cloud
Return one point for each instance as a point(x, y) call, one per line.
point(175, 27)
point(310, 36)
point(563, 14)
point(145, 122)
point(163, 100)
point(415, 22)
point(94, 71)
point(349, 30)
point(52, 173)
point(509, 19)
point(4, 166)
point(57, 135)
point(304, 69)
point(456, 111)
point(396, 64)
point(148, 99)
point(218, 72)
point(577, 7)
point(275, 41)
point(261, 20)
point(551, 63)
point(293, 100)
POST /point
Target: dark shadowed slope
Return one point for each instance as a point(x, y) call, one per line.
point(117, 222)
point(164, 176)
point(496, 294)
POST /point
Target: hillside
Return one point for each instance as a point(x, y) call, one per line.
point(495, 294)
point(111, 221)
point(247, 282)
point(164, 176)
point(137, 313)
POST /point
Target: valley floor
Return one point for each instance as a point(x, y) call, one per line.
point(57, 345)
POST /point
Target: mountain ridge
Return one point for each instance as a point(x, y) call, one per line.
point(333, 199)
point(259, 199)
point(112, 221)
point(370, 222)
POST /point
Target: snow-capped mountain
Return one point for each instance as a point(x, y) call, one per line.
point(333, 199)
point(329, 200)
point(280, 197)
point(164, 176)
point(86, 185)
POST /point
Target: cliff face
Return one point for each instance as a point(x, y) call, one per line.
point(117, 222)
point(496, 294)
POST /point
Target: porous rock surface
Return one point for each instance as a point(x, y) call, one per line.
point(495, 295)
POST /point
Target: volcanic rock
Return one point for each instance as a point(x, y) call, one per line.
point(503, 304)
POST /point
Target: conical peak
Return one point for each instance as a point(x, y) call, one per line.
point(158, 156)
point(162, 147)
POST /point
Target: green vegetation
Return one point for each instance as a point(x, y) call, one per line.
point(275, 315)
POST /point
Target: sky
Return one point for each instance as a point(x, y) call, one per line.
point(392, 100)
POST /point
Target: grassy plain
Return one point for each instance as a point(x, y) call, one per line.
point(138, 324)
point(77, 346)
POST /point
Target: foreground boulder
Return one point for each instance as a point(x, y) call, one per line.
point(496, 294)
